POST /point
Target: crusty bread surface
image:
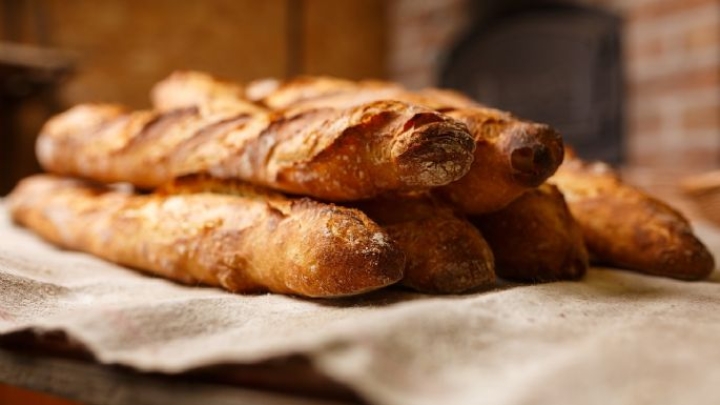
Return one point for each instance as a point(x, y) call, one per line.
point(249, 242)
point(327, 153)
point(628, 228)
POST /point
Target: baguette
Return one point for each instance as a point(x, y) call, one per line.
point(248, 243)
point(511, 155)
point(444, 253)
point(535, 238)
point(309, 95)
point(187, 88)
point(257, 90)
point(331, 154)
point(307, 89)
point(627, 228)
point(316, 91)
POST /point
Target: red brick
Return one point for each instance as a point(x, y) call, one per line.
point(650, 48)
point(416, 78)
point(662, 8)
point(704, 117)
point(698, 158)
point(644, 158)
point(645, 123)
point(684, 159)
point(701, 37)
point(694, 79)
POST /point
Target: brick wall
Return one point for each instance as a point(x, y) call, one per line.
point(672, 54)
point(419, 34)
point(671, 67)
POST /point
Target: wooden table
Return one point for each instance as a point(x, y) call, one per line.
point(83, 381)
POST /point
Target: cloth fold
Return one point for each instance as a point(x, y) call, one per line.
point(614, 335)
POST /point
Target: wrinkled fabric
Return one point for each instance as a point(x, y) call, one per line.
point(613, 337)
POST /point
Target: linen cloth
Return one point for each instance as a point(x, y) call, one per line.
point(613, 337)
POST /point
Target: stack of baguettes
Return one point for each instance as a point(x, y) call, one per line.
point(324, 187)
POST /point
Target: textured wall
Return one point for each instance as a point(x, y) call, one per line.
point(122, 47)
point(673, 78)
point(671, 70)
point(419, 34)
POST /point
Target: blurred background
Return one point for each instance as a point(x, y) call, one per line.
point(635, 83)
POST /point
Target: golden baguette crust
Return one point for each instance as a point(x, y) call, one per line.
point(246, 243)
point(445, 253)
point(511, 155)
point(331, 154)
point(258, 89)
point(354, 93)
point(535, 238)
point(302, 89)
point(446, 99)
point(627, 228)
point(309, 90)
point(188, 88)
